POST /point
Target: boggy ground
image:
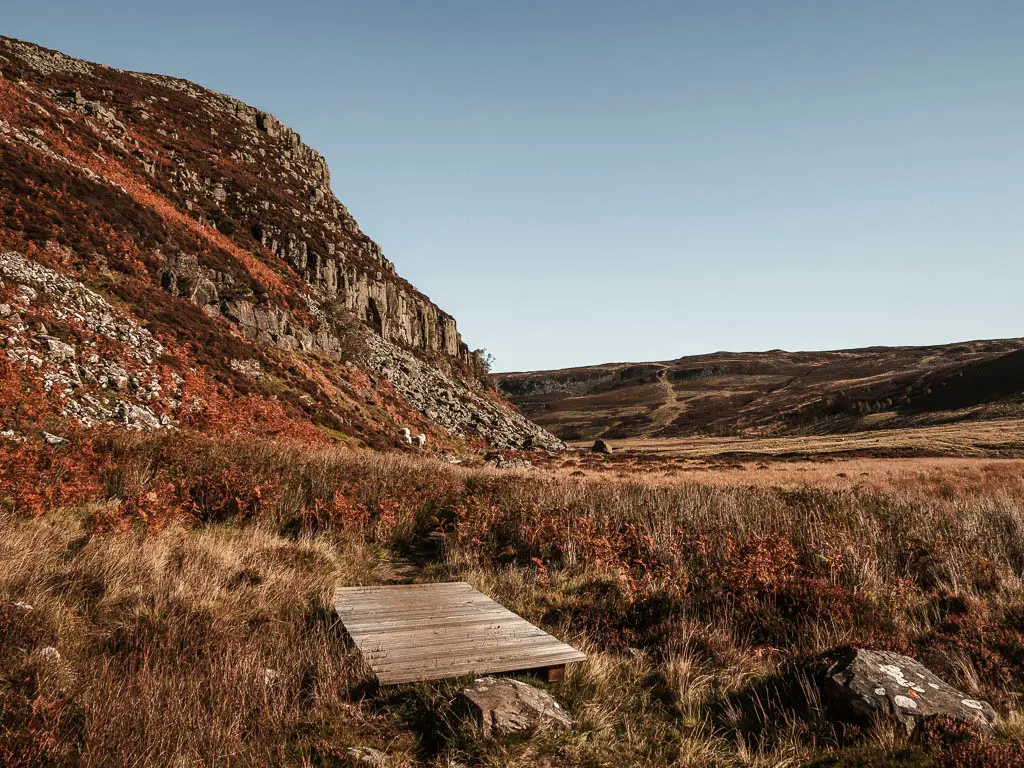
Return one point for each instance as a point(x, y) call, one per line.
point(186, 587)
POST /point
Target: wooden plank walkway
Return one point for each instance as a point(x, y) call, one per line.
point(412, 632)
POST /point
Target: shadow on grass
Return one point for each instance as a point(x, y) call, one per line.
point(772, 710)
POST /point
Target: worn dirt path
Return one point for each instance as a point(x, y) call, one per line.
point(664, 414)
point(409, 568)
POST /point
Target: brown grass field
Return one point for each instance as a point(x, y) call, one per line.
point(975, 439)
point(189, 601)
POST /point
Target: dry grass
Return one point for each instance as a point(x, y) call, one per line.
point(209, 641)
point(977, 439)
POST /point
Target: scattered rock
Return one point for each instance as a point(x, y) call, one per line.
point(14, 437)
point(271, 676)
point(49, 653)
point(865, 684)
point(50, 439)
point(501, 461)
point(22, 606)
point(71, 97)
point(505, 706)
point(85, 387)
point(366, 756)
point(59, 352)
point(455, 404)
point(600, 446)
point(250, 368)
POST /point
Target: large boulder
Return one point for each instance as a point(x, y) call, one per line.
point(865, 685)
point(504, 706)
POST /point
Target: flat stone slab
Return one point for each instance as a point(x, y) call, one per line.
point(413, 632)
point(504, 707)
point(866, 684)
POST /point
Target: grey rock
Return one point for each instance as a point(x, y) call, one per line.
point(366, 757)
point(267, 123)
point(501, 461)
point(53, 439)
point(59, 352)
point(250, 368)
point(600, 446)
point(865, 685)
point(71, 97)
point(504, 706)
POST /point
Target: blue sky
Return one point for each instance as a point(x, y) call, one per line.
point(583, 182)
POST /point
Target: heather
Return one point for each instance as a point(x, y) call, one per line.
point(186, 584)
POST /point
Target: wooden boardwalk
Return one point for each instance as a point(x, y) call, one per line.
point(415, 632)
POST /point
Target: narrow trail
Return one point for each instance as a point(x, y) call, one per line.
point(664, 414)
point(398, 570)
point(409, 568)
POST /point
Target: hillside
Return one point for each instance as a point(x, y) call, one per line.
point(777, 393)
point(171, 256)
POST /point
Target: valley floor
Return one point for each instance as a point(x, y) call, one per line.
point(984, 439)
point(178, 613)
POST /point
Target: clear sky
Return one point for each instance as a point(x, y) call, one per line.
point(583, 181)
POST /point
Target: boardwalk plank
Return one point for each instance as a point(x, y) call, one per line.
point(412, 632)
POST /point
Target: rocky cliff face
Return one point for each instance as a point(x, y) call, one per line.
point(212, 225)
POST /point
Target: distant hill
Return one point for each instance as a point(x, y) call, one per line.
point(777, 392)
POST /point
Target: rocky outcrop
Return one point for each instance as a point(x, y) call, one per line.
point(503, 707)
point(868, 685)
point(392, 309)
point(291, 211)
point(319, 239)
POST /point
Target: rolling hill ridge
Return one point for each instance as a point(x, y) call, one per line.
point(777, 392)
